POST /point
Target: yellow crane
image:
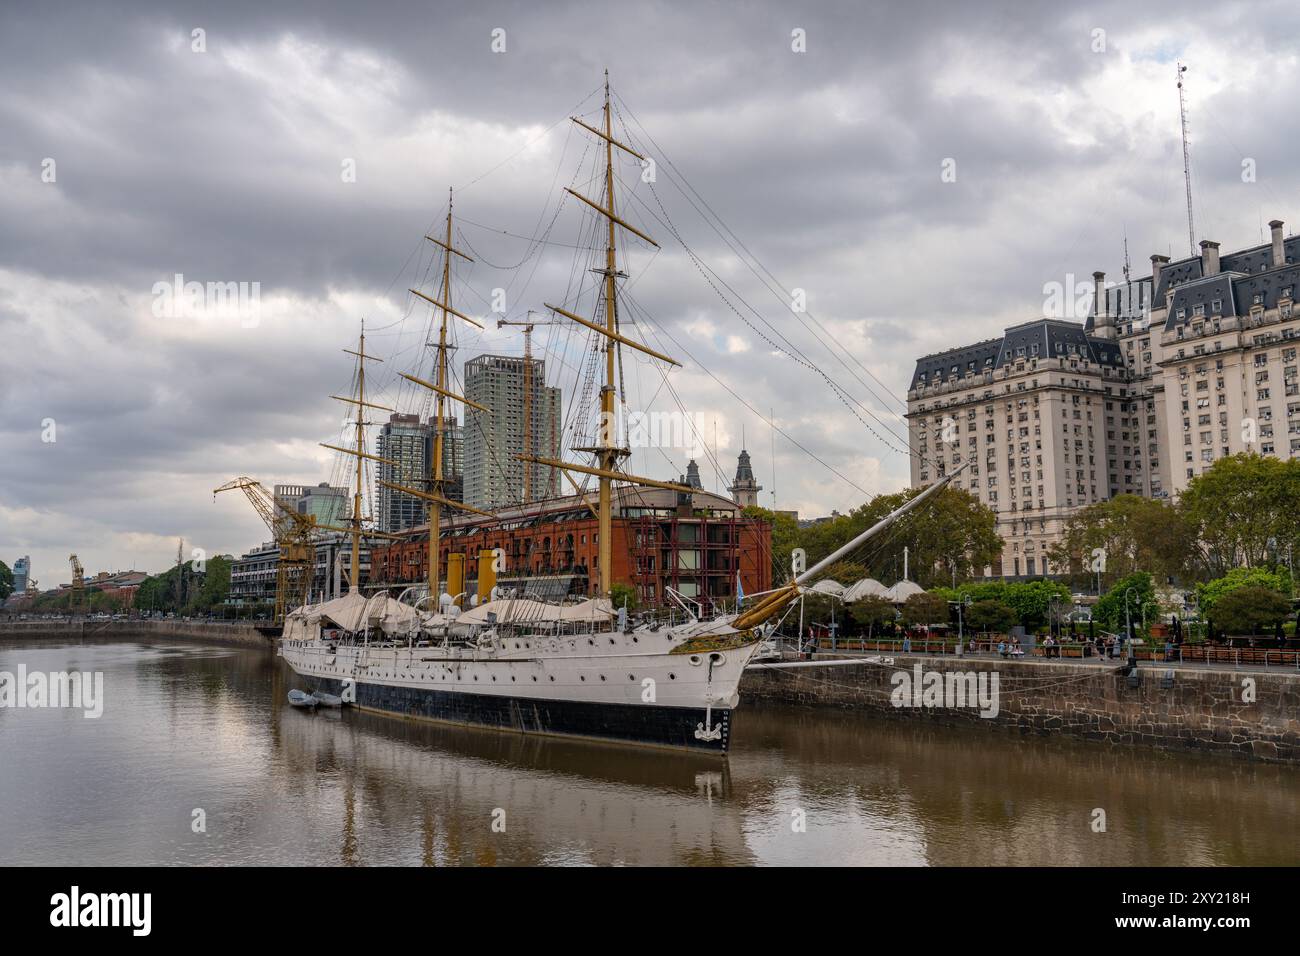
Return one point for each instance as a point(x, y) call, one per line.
point(78, 594)
point(293, 533)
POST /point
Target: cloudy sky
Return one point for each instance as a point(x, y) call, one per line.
point(308, 147)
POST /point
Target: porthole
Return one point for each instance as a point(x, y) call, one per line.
point(672, 676)
point(534, 678)
point(582, 677)
point(611, 640)
point(494, 678)
point(696, 660)
point(602, 676)
point(635, 641)
point(631, 677)
point(591, 642)
point(552, 677)
point(476, 677)
point(512, 677)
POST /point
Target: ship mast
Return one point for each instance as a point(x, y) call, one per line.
point(358, 452)
point(609, 454)
point(440, 398)
point(606, 450)
point(355, 566)
point(436, 480)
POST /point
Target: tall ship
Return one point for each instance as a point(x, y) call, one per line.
point(591, 668)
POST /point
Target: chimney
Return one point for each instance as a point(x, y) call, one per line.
point(1209, 258)
point(1158, 264)
point(1279, 252)
point(1102, 325)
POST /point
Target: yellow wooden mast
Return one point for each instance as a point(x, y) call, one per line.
point(434, 496)
point(358, 452)
point(607, 451)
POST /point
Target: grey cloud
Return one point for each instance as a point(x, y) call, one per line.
point(825, 164)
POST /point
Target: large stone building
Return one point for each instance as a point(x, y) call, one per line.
point(1031, 411)
point(1228, 335)
point(493, 476)
point(1169, 373)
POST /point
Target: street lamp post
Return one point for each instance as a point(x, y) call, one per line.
point(1128, 630)
point(964, 602)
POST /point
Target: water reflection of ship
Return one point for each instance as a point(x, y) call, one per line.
point(560, 801)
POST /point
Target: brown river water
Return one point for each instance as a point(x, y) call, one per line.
point(193, 735)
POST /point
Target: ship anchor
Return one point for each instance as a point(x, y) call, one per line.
point(714, 732)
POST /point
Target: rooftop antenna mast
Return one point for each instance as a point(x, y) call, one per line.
point(772, 422)
point(1187, 160)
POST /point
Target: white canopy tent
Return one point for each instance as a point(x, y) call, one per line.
point(525, 611)
point(867, 587)
point(352, 612)
point(827, 586)
point(903, 590)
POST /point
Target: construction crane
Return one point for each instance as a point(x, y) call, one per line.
point(528, 325)
point(78, 594)
point(293, 533)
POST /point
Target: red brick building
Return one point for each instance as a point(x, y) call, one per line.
point(695, 544)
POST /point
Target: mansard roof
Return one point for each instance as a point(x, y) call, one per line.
point(1040, 338)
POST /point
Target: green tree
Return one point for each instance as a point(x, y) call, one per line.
point(1209, 594)
point(1123, 535)
point(953, 533)
point(785, 538)
point(1111, 606)
point(157, 592)
point(925, 608)
point(1244, 512)
point(872, 612)
point(845, 572)
point(621, 594)
point(6, 581)
point(1032, 600)
point(991, 616)
point(1251, 610)
point(215, 587)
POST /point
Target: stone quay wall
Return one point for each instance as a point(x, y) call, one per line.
point(201, 632)
point(1254, 714)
